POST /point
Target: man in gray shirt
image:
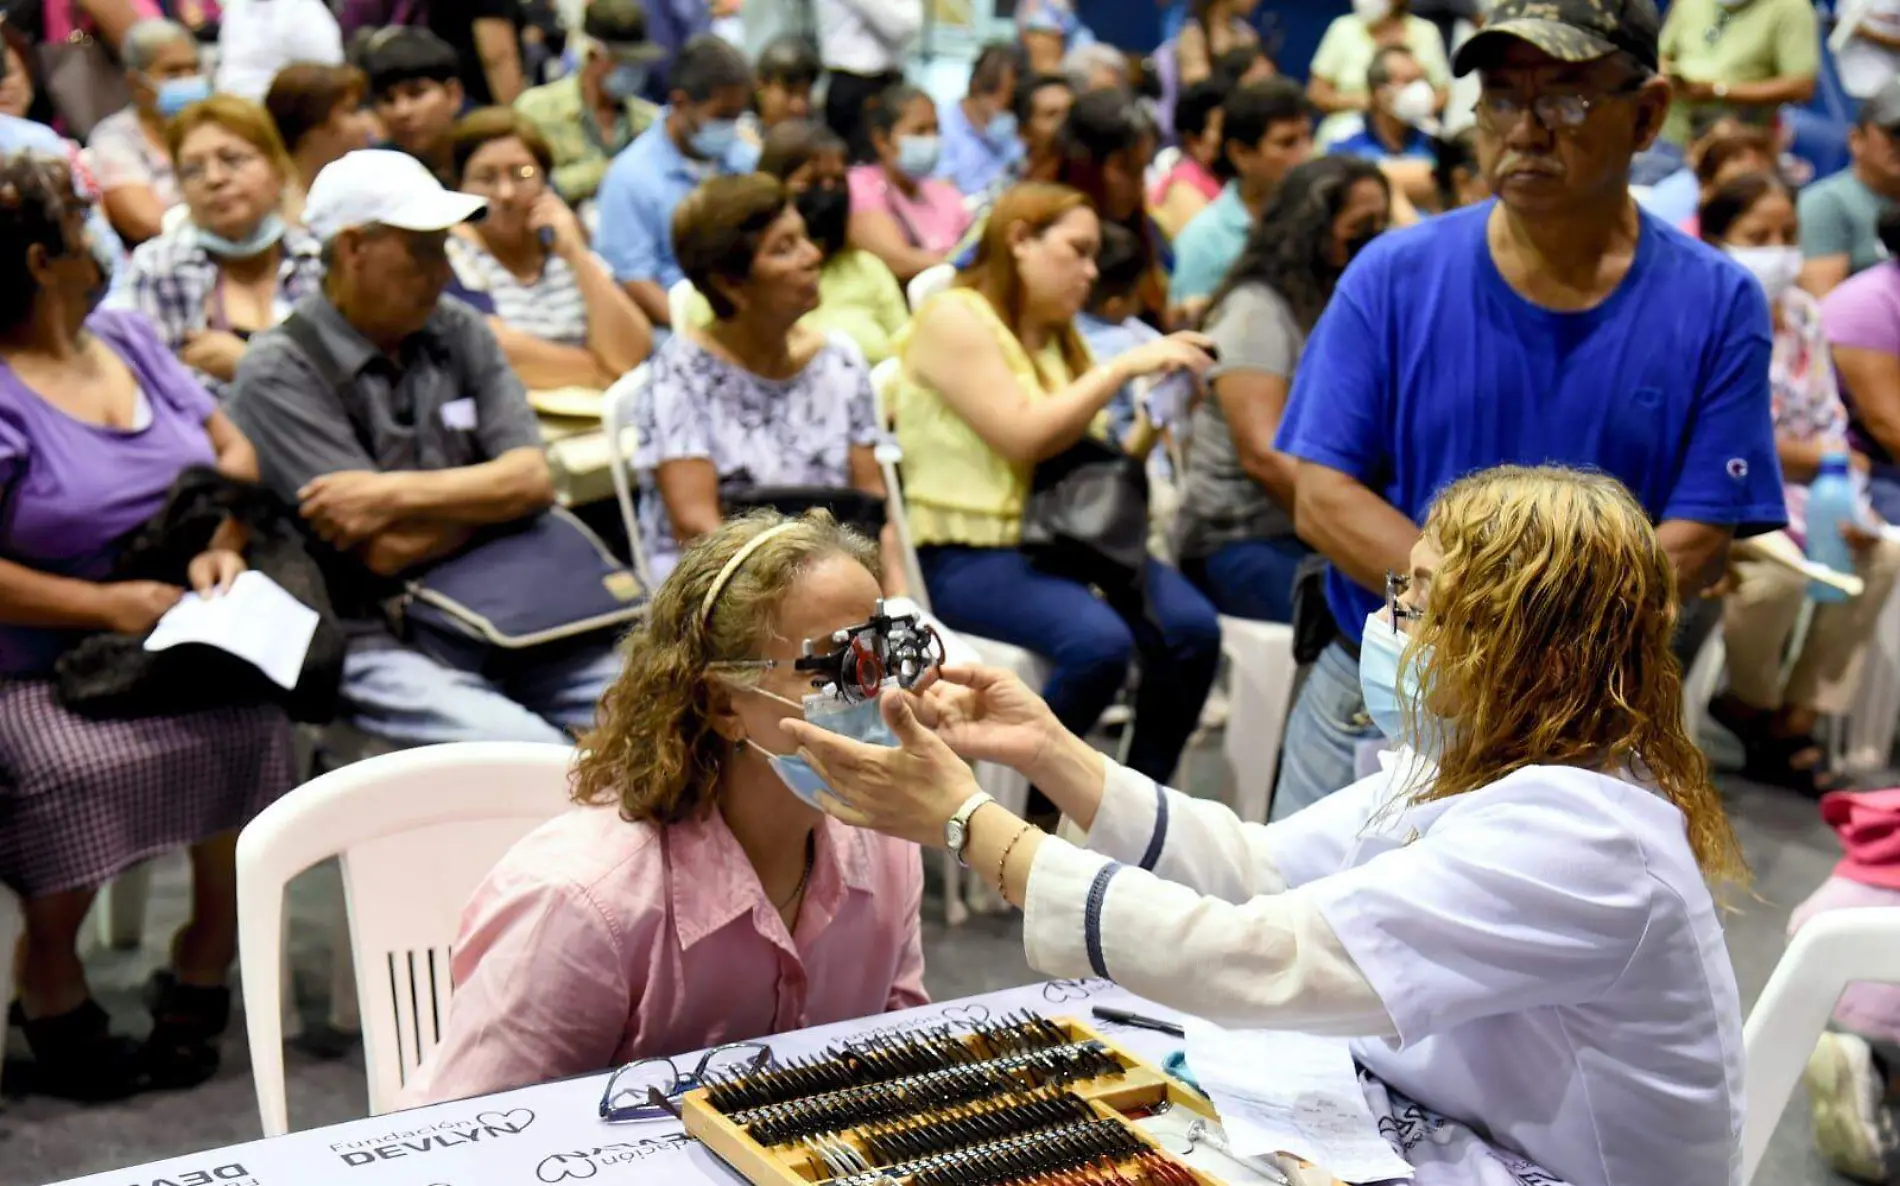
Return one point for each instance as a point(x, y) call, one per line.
point(411, 436)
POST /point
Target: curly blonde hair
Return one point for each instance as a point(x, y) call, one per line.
point(1550, 620)
point(654, 750)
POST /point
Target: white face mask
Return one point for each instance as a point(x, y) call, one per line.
point(1774, 268)
point(1415, 102)
point(1372, 11)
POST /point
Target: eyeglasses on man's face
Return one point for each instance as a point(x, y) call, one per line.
point(651, 1088)
point(1556, 111)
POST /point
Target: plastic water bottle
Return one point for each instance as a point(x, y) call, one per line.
point(1830, 507)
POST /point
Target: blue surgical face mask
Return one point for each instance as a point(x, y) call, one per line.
point(260, 240)
point(860, 721)
point(1388, 684)
point(917, 156)
point(176, 94)
point(714, 139)
point(1001, 128)
point(625, 81)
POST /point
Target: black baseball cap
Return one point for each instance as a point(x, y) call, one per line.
point(1569, 30)
point(621, 26)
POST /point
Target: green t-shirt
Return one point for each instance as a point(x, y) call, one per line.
point(1841, 216)
point(1706, 41)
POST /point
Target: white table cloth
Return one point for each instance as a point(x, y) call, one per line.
point(552, 1133)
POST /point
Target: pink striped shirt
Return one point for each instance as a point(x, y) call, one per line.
point(596, 942)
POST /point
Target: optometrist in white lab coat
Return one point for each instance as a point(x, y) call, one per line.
point(1536, 955)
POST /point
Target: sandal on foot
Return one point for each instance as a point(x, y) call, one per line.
point(187, 1020)
point(77, 1057)
point(1777, 762)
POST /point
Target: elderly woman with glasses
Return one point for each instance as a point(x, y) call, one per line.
point(559, 315)
point(236, 266)
point(698, 897)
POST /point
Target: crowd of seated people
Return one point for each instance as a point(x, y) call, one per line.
point(373, 319)
point(1235, 533)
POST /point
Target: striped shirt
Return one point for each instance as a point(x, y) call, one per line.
point(173, 280)
point(550, 307)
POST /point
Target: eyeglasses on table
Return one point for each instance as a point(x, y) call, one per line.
point(651, 1088)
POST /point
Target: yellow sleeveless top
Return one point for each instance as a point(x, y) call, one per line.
point(957, 489)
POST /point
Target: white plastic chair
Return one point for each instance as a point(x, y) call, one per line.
point(1867, 739)
point(928, 283)
point(416, 830)
point(1004, 785)
point(1701, 683)
point(616, 418)
point(679, 303)
point(12, 926)
point(1260, 671)
point(1827, 954)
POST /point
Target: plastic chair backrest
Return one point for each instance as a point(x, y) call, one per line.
point(616, 421)
point(679, 303)
point(928, 283)
point(883, 379)
point(1828, 953)
point(416, 832)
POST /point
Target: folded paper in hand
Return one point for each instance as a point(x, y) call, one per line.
point(1292, 1093)
point(254, 619)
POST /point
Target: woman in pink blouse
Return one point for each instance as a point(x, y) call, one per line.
point(900, 211)
point(693, 899)
point(1752, 217)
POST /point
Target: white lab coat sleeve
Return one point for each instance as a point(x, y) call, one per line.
point(1271, 962)
point(896, 23)
point(1203, 845)
point(1526, 894)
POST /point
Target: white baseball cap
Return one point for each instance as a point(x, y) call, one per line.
point(387, 188)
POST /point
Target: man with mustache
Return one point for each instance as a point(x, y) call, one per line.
point(1557, 323)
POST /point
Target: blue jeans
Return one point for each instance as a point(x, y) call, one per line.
point(1883, 490)
point(1323, 734)
point(403, 694)
point(996, 593)
point(1250, 578)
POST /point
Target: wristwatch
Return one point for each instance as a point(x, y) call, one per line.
point(956, 833)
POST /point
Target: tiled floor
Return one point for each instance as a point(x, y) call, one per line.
point(43, 1141)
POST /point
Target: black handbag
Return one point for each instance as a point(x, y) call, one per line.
point(851, 508)
point(1086, 517)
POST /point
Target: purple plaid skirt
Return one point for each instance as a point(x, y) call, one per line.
point(82, 800)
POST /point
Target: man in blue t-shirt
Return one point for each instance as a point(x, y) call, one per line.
point(1555, 324)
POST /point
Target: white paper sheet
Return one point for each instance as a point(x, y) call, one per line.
point(254, 619)
point(1291, 1093)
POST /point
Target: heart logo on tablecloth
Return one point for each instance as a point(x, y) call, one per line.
point(562, 1166)
point(513, 1120)
point(968, 1016)
point(1058, 992)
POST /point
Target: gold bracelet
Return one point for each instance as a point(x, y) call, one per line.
point(1002, 866)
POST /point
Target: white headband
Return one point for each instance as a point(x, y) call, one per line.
point(732, 566)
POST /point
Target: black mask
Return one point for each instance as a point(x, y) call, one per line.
point(1359, 242)
point(826, 211)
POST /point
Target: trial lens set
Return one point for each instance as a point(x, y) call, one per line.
point(1026, 1101)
